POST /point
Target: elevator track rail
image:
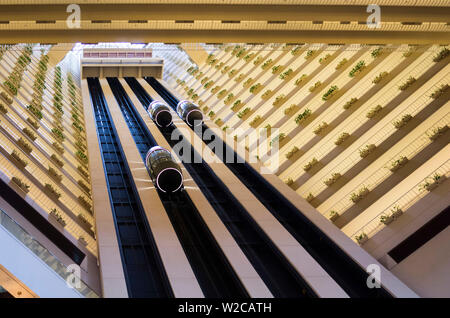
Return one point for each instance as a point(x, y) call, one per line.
point(144, 273)
point(275, 270)
point(340, 266)
point(214, 274)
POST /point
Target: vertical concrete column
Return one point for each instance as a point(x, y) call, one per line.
point(179, 271)
point(111, 268)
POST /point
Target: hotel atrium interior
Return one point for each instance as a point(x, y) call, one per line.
point(225, 149)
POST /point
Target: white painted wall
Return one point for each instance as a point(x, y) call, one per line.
point(427, 270)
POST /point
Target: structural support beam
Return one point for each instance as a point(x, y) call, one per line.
point(223, 12)
point(215, 36)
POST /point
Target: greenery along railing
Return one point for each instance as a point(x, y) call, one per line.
point(42, 253)
point(408, 199)
point(35, 110)
point(15, 77)
point(376, 138)
point(394, 163)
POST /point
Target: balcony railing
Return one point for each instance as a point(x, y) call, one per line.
point(408, 199)
point(42, 253)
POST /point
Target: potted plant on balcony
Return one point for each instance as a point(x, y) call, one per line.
point(58, 134)
point(377, 52)
point(303, 116)
point(433, 182)
point(403, 121)
point(239, 78)
point(324, 59)
point(33, 123)
point(29, 133)
point(266, 64)
point(6, 97)
point(315, 86)
point(267, 94)
point(441, 55)
point(35, 111)
point(232, 73)
point(279, 100)
point(19, 162)
point(258, 60)
point(255, 121)
point(51, 191)
point(374, 111)
point(255, 88)
point(330, 93)
point(58, 217)
point(211, 114)
point(310, 164)
point(54, 174)
point(349, 103)
point(333, 216)
point(276, 69)
point(320, 128)
point(82, 241)
point(221, 94)
point(84, 203)
point(341, 63)
point(286, 74)
point(379, 77)
point(243, 113)
point(411, 80)
point(341, 138)
point(292, 152)
point(359, 195)
point(215, 89)
point(396, 212)
point(229, 99)
point(289, 181)
point(366, 150)
point(3, 109)
point(83, 172)
point(334, 177)
point(439, 91)
point(301, 79)
point(236, 105)
point(361, 238)
point(84, 186)
point(290, 110)
point(24, 145)
point(57, 160)
point(410, 51)
point(22, 185)
point(248, 82)
point(225, 69)
point(84, 222)
point(295, 51)
point(278, 139)
point(81, 156)
point(309, 54)
point(386, 219)
point(248, 57)
point(398, 163)
point(310, 197)
point(357, 69)
point(437, 132)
